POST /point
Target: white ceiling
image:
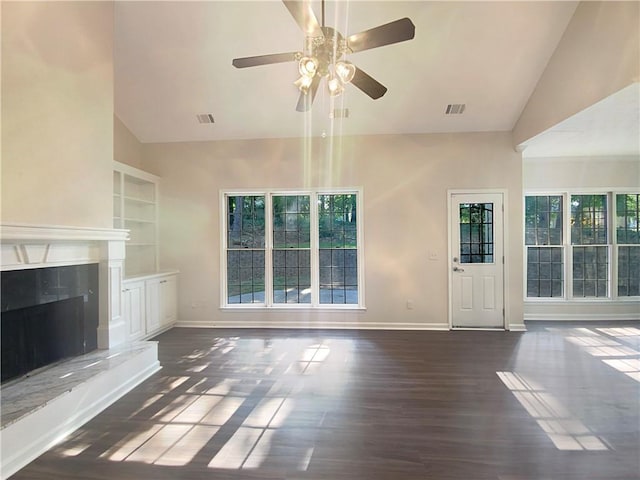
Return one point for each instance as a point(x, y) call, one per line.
point(173, 62)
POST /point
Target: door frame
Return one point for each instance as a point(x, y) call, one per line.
point(505, 251)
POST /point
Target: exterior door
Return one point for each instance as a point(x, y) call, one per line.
point(477, 261)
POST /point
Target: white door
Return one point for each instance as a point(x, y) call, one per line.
point(477, 261)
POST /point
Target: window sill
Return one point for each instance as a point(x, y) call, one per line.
point(592, 301)
point(292, 308)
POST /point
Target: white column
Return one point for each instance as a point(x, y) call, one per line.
point(112, 327)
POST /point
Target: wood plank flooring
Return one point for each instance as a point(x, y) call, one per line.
point(558, 402)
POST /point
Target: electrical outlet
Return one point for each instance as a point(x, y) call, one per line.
point(409, 304)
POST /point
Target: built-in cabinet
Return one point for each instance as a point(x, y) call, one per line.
point(149, 296)
point(150, 304)
point(134, 308)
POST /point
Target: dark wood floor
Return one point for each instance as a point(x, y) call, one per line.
point(554, 403)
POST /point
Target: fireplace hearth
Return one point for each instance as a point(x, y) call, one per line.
point(47, 314)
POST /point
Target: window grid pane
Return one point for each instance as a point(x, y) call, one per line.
point(543, 220)
point(628, 219)
point(588, 219)
point(245, 276)
point(476, 233)
point(545, 272)
point(590, 271)
point(245, 222)
point(629, 271)
point(338, 249)
point(291, 276)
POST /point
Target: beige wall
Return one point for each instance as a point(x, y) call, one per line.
point(57, 113)
point(405, 181)
point(126, 147)
point(598, 55)
point(613, 172)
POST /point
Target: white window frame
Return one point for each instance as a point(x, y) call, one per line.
point(567, 246)
point(313, 194)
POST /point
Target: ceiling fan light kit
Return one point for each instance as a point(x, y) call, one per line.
point(323, 54)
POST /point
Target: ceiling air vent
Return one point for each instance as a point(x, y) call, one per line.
point(455, 109)
point(339, 113)
point(205, 118)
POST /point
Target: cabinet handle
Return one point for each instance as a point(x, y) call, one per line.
point(163, 281)
point(125, 290)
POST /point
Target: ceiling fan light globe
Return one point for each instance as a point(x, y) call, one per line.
point(345, 70)
point(335, 86)
point(303, 83)
point(308, 66)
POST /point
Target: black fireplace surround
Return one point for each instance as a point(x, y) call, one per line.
point(47, 314)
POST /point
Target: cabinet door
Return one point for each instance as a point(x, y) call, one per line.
point(168, 299)
point(134, 309)
point(153, 305)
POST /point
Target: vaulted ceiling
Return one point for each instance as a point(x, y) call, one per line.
point(173, 63)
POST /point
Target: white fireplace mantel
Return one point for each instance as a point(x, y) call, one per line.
point(39, 246)
point(17, 231)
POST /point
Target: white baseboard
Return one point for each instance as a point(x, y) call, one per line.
point(580, 317)
point(517, 327)
point(23, 441)
point(317, 326)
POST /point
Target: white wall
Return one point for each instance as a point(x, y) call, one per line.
point(405, 180)
point(612, 172)
point(57, 113)
point(126, 147)
point(598, 55)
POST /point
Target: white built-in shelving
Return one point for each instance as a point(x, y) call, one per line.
point(135, 208)
point(149, 297)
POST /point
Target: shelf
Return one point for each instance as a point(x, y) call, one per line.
point(139, 220)
point(139, 200)
point(134, 196)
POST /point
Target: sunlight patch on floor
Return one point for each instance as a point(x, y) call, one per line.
point(565, 431)
point(621, 357)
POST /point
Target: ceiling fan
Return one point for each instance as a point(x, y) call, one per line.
point(324, 52)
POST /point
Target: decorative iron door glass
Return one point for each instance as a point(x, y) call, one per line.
point(477, 274)
point(476, 233)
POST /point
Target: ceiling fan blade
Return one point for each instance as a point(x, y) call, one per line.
point(368, 84)
point(265, 59)
point(305, 100)
point(393, 32)
point(302, 13)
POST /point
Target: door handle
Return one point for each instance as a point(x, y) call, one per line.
point(458, 269)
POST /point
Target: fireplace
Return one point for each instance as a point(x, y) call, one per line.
point(47, 314)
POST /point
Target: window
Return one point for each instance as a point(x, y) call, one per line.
point(245, 248)
point(291, 251)
point(628, 240)
point(593, 252)
point(590, 250)
point(545, 251)
point(338, 248)
point(292, 248)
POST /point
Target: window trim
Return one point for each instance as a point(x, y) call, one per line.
point(567, 246)
point(315, 304)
